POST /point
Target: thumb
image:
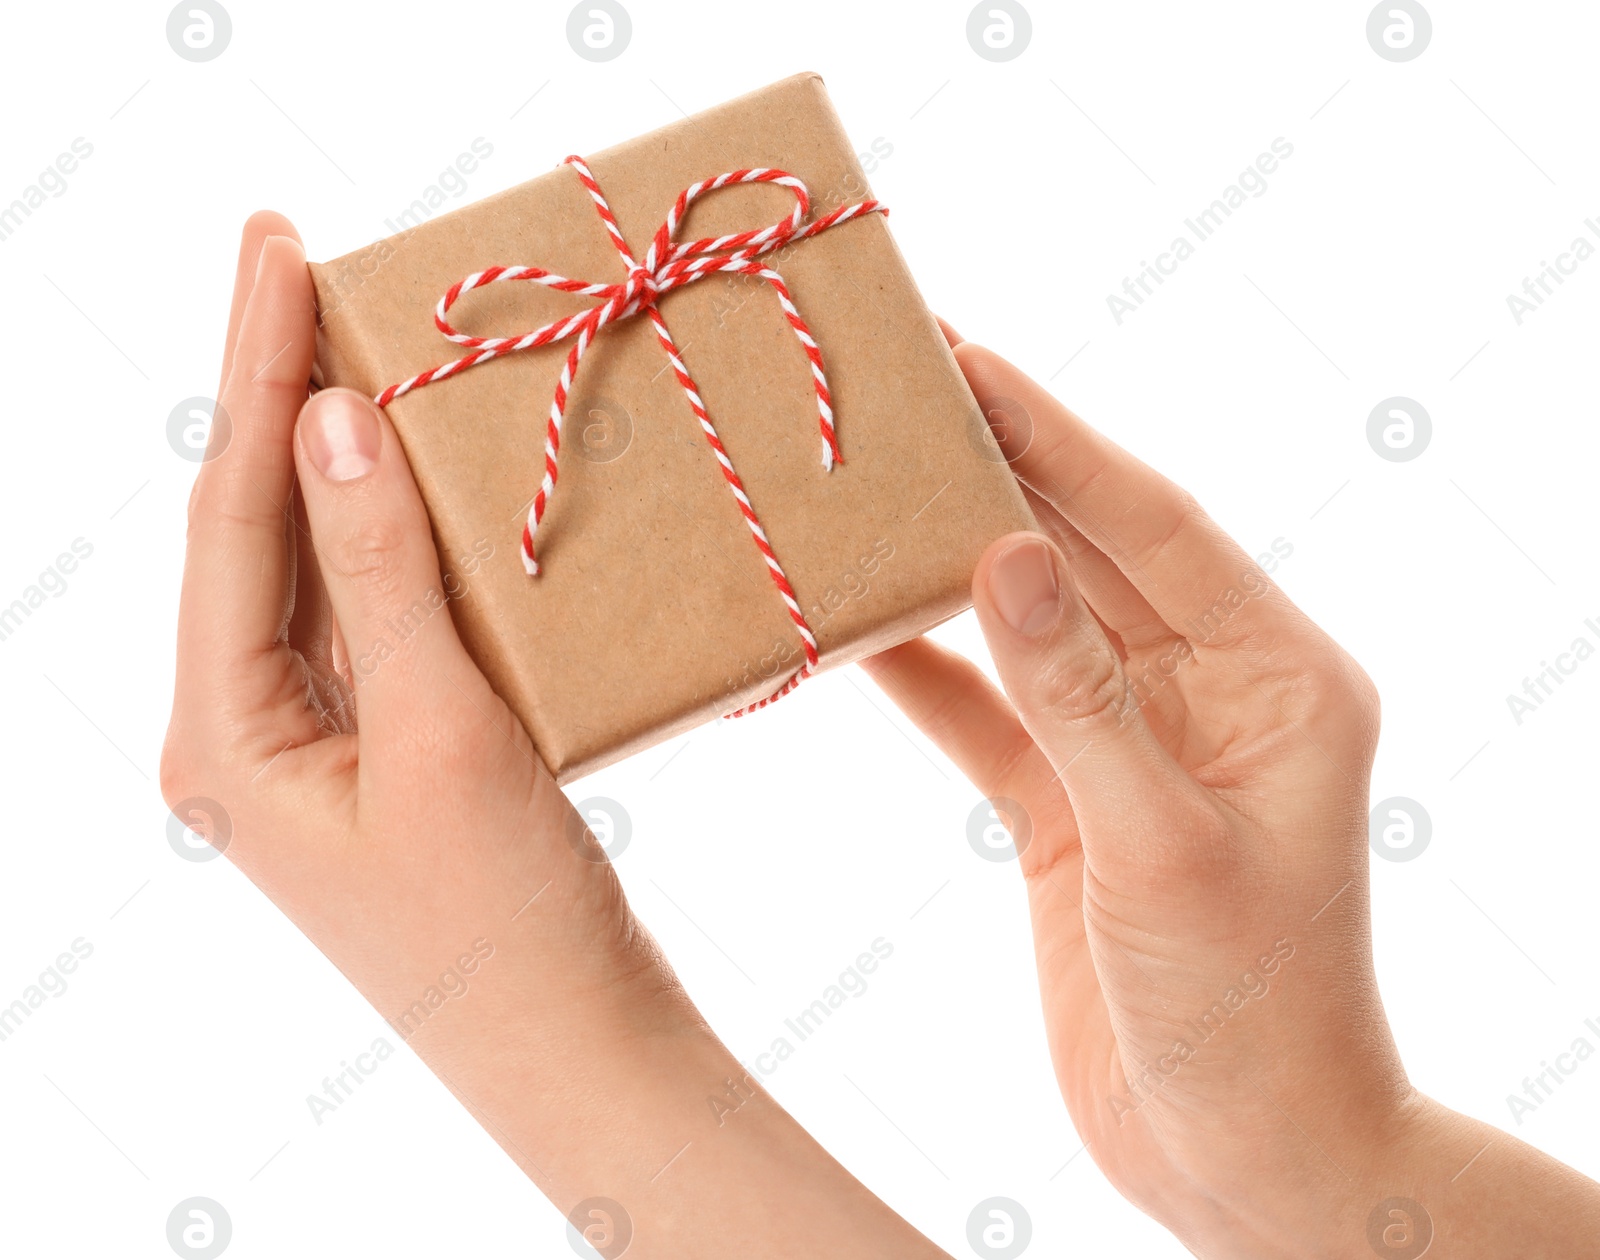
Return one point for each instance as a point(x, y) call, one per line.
point(1069, 689)
point(376, 552)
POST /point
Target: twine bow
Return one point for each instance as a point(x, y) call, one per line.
point(668, 264)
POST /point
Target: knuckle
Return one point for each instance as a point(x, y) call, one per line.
point(1332, 678)
point(1059, 452)
point(1184, 508)
point(1363, 691)
point(1006, 762)
point(1340, 696)
point(266, 386)
point(371, 552)
point(1085, 688)
point(227, 496)
point(1182, 512)
point(1361, 697)
point(177, 774)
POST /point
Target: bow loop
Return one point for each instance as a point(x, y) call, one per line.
point(739, 245)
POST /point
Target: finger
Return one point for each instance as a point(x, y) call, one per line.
point(950, 334)
point(379, 565)
point(955, 705)
point(313, 632)
point(235, 591)
point(1126, 615)
point(950, 701)
point(1200, 582)
point(259, 226)
point(1070, 692)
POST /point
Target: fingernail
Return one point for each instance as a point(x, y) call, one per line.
point(338, 654)
point(267, 246)
point(1023, 585)
point(341, 435)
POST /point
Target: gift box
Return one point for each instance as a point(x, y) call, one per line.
point(745, 480)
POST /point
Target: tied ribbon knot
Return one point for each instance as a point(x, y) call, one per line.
point(668, 264)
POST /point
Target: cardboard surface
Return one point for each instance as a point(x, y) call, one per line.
point(654, 611)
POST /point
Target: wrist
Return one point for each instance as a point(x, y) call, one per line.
point(1319, 1178)
point(635, 1116)
point(1416, 1179)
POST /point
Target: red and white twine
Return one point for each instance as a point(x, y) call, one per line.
point(668, 265)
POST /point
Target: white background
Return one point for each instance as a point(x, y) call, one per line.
point(1376, 264)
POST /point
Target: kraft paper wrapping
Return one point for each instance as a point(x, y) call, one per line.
point(654, 611)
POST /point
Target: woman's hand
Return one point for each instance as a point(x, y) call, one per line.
point(428, 853)
point(401, 848)
point(1183, 762)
